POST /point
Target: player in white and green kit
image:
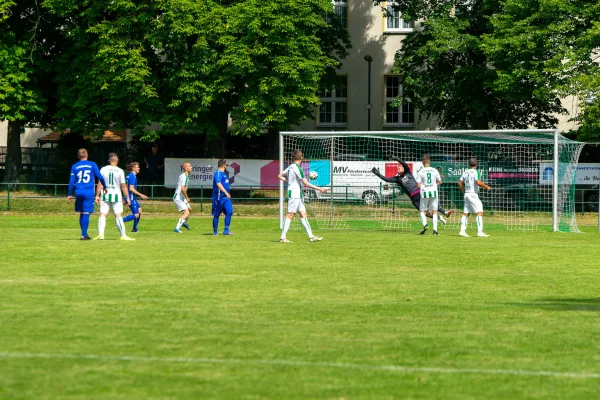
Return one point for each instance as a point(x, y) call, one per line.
point(112, 199)
point(428, 180)
point(181, 198)
point(294, 176)
point(469, 183)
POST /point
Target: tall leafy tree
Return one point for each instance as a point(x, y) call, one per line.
point(104, 75)
point(188, 65)
point(554, 44)
point(261, 62)
point(450, 77)
point(28, 40)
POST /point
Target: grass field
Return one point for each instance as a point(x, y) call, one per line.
point(360, 315)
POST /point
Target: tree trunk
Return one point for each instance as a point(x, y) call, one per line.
point(273, 144)
point(14, 159)
point(479, 122)
point(215, 147)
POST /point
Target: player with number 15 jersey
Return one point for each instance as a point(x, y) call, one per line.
point(83, 180)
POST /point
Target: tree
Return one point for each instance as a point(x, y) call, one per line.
point(553, 43)
point(27, 42)
point(260, 62)
point(449, 76)
point(103, 74)
point(189, 65)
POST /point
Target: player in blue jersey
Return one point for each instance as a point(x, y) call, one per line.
point(83, 180)
point(221, 199)
point(136, 209)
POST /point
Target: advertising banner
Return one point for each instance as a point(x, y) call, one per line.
point(241, 172)
point(587, 174)
point(263, 173)
point(452, 171)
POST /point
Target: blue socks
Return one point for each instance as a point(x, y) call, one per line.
point(128, 218)
point(215, 224)
point(227, 222)
point(136, 222)
point(84, 223)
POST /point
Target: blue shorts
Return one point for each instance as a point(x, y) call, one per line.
point(84, 202)
point(134, 206)
point(222, 205)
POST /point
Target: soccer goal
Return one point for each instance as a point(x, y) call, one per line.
point(531, 173)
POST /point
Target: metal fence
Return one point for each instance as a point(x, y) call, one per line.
point(51, 164)
point(24, 197)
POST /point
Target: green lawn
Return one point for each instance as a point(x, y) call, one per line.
point(360, 315)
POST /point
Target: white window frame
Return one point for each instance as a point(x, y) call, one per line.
point(341, 4)
point(332, 97)
point(402, 121)
point(397, 16)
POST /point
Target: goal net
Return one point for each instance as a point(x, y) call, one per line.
point(519, 165)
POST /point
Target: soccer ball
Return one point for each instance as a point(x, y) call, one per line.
point(313, 175)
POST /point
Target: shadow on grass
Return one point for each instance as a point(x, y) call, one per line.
point(557, 304)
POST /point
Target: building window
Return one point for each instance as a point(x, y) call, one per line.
point(333, 111)
point(402, 115)
point(341, 10)
point(395, 22)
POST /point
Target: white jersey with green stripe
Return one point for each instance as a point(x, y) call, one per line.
point(428, 178)
point(294, 176)
point(469, 177)
point(114, 177)
point(181, 183)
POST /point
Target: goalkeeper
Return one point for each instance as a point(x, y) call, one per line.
point(408, 183)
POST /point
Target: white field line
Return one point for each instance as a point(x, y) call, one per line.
point(292, 363)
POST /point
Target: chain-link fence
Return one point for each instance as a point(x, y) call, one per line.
point(52, 198)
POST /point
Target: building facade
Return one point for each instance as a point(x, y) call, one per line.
point(375, 39)
point(376, 36)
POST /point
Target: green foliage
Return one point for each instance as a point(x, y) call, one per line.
point(450, 76)
point(22, 98)
point(261, 61)
point(103, 74)
point(29, 40)
point(5, 9)
point(188, 64)
point(554, 45)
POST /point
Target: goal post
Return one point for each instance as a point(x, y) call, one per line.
point(531, 172)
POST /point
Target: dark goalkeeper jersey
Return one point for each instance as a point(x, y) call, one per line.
point(406, 181)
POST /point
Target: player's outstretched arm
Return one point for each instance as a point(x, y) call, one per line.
point(71, 185)
point(98, 175)
point(310, 185)
point(398, 159)
point(98, 192)
point(185, 194)
point(376, 172)
point(133, 190)
point(222, 189)
point(125, 193)
point(484, 185)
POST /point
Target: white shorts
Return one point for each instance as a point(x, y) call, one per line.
point(115, 206)
point(181, 204)
point(295, 205)
point(472, 204)
point(429, 203)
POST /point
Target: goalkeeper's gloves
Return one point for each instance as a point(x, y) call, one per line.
point(375, 171)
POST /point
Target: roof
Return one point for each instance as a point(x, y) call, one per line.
point(109, 136)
